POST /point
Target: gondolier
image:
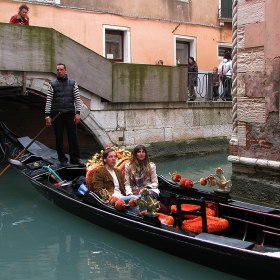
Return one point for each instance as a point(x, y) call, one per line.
point(63, 96)
point(209, 228)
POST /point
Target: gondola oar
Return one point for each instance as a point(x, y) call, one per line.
point(8, 166)
point(7, 157)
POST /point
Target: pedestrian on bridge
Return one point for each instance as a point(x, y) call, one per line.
point(21, 17)
point(64, 97)
point(192, 79)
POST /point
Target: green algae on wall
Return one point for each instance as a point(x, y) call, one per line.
point(26, 48)
point(193, 147)
point(148, 83)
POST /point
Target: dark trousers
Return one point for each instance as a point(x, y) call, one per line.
point(226, 81)
point(66, 121)
point(215, 91)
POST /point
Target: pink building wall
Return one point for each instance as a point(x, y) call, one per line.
point(152, 39)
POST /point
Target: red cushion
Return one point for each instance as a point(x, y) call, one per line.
point(191, 207)
point(209, 212)
point(213, 224)
point(185, 207)
point(89, 176)
point(166, 219)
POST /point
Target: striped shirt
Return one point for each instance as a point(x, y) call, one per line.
point(77, 100)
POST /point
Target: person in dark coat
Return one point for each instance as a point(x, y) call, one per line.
point(192, 81)
point(64, 97)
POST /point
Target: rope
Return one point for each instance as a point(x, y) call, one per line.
point(53, 173)
point(234, 141)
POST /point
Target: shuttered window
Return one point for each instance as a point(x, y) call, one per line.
point(226, 9)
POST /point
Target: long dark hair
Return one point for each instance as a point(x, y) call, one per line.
point(192, 58)
point(135, 164)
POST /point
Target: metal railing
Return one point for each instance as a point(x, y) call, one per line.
point(212, 87)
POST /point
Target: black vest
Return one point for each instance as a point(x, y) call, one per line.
point(63, 96)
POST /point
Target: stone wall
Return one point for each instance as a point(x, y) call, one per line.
point(257, 101)
point(128, 124)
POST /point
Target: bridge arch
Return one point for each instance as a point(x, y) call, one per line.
point(31, 88)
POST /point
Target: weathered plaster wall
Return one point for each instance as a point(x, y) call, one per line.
point(182, 11)
point(152, 31)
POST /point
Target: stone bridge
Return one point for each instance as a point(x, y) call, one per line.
point(123, 104)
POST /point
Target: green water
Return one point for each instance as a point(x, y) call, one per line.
point(38, 240)
point(195, 168)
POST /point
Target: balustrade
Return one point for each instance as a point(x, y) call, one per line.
point(205, 83)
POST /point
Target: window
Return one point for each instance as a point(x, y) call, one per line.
point(184, 48)
point(116, 43)
point(182, 52)
point(223, 48)
point(226, 9)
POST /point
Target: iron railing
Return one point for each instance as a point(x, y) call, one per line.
point(205, 87)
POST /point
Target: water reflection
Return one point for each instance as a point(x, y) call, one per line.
point(195, 168)
point(41, 241)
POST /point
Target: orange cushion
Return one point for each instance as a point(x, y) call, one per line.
point(166, 219)
point(209, 212)
point(213, 224)
point(89, 176)
point(122, 164)
point(185, 207)
point(191, 207)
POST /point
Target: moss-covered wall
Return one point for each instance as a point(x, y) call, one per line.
point(148, 83)
point(39, 49)
point(26, 48)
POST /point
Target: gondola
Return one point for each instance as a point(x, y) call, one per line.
point(248, 247)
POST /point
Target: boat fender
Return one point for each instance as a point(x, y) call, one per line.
point(82, 189)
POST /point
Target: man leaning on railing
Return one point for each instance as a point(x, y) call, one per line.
point(225, 70)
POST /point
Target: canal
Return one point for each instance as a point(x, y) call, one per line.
point(38, 240)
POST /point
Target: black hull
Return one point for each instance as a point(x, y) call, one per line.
point(241, 263)
point(228, 254)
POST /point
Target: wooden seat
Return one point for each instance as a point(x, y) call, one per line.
point(202, 223)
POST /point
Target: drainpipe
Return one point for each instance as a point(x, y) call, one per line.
point(208, 96)
point(24, 82)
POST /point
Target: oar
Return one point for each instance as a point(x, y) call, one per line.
point(8, 166)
